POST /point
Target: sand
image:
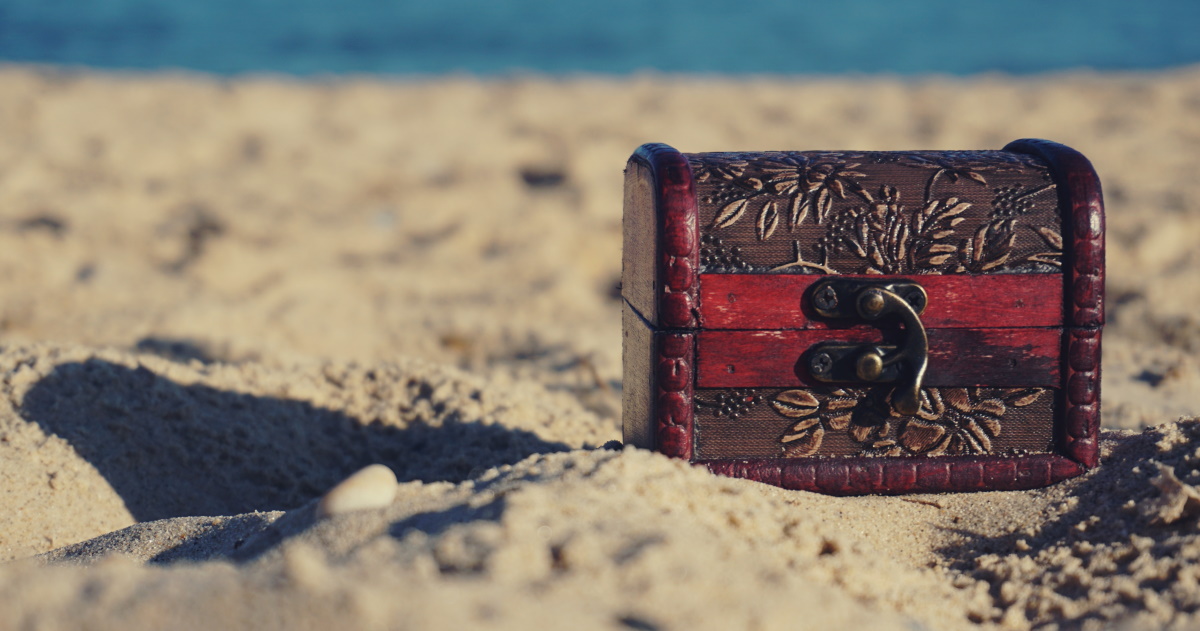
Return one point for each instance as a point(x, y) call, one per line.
point(220, 298)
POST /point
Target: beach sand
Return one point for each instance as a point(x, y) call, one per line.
point(219, 298)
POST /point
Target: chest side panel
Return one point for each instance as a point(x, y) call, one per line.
point(637, 390)
point(640, 234)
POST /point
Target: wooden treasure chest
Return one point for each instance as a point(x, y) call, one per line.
point(866, 322)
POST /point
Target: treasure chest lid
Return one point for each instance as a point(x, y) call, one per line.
point(731, 240)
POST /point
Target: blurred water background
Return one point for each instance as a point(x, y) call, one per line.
point(489, 37)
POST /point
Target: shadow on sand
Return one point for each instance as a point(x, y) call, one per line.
point(173, 450)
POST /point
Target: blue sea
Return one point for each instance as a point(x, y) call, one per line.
point(490, 37)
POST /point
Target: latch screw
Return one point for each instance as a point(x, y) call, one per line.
point(915, 298)
point(821, 363)
point(826, 299)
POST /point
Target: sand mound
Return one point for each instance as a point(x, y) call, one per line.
point(112, 438)
point(596, 538)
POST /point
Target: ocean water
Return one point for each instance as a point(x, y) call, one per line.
point(488, 37)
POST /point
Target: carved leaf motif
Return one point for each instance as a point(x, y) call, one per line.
point(995, 407)
point(841, 403)
point(795, 403)
point(953, 209)
point(840, 422)
point(799, 210)
point(958, 399)
point(731, 213)
point(838, 188)
point(804, 444)
point(1025, 399)
point(1051, 237)
point(992, 425)
point(978, 437)
point(864, 433)
point(824, 204)
point(768, 219)
point(920, 436)
point(1054, 241)
point(801, 426)
point(1047, 258)
point(817, 415)
point(994, 263)
point(891, 239)
point(782, 182)
point(980, 242)
point(931, 407)
point(934, 261)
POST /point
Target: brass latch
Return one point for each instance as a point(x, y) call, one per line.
point(841, 298)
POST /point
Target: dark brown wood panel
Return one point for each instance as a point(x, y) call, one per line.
point(777, 301)
point(957, 357)
point(841, 422)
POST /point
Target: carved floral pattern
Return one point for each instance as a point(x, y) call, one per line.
point(865, 223)
point(891, 239)
point(792, 183)
point(814, 417)
point(950, 421)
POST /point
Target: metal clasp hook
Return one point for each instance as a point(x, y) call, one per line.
point(871, 301)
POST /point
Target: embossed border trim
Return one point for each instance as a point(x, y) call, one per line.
point(674, 389)
point(1079, 193)
point(679, 241)
point(891, 476)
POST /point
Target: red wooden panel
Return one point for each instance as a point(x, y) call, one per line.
point(775, 301)
point(957, 357)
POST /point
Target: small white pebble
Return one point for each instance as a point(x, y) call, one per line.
point(373, 486)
